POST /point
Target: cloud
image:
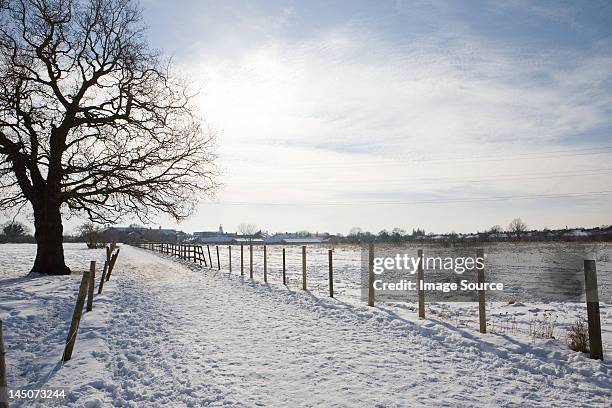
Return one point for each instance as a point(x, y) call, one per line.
point(356, 108)
point(352, 87)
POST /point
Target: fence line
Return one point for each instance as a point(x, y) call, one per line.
point(86, 289)
point(198, 256)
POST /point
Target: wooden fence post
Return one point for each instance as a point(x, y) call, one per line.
point(103, 277)
point(218, 260)
point(209, 257)
point(3, 382)
point(76, 318)
point(202, 256)
point(90, 286)
point(111, 266)
point(229, 247)
point(284, 269)
point(592, 299)
point(331, 273)
point(421, 291)
point(251, 261)
point(265, 264)
point(303, 267)
point(371, 275)
point(241, 260)
point(482, 310)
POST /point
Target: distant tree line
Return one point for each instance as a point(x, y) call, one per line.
point(19, 233)
point(517, 230)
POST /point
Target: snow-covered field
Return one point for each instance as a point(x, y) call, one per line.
point(529, 272)
point(169, 333)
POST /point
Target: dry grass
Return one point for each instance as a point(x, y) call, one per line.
point(543, 327)
point(578, 337)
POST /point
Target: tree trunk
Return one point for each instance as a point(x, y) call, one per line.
point(49, 240)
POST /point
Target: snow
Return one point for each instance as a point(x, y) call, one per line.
point(577, 233)
point(170, 333)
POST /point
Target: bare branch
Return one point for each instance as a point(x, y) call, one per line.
point(92, 119)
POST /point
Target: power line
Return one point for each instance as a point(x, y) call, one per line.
point(404, 162)
point(429, 201)
point(432, 180)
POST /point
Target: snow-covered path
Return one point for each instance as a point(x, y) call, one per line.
point(184, 336)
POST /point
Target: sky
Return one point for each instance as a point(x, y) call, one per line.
point(447, 115)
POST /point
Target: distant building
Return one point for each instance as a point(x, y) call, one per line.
point(222, 237)
point(214, 237)
point(135, 233)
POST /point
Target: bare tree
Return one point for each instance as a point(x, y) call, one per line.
point(384, 235)
point(92, 121)
point(355, 232)
point(517, 226)
point(14, 230)
point(397, 234)
point(92, 234)
point(496, 229)
point(248, 230)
